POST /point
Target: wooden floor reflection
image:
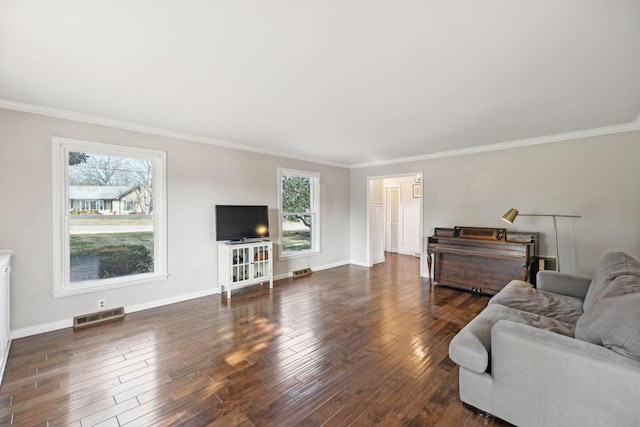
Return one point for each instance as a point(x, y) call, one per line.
point(345, 346)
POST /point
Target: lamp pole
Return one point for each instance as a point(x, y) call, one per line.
point(555, 232)
point(512, 213)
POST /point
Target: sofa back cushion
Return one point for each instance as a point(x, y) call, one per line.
point(612, 265)
point(614, 319)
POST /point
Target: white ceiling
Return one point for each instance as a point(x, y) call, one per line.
point(350, 82)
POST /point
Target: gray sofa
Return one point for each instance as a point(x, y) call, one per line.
point(564, 354)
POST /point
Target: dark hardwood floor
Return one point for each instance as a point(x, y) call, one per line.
point(346, 346)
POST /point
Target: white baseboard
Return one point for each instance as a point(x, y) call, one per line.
point(282, 276)
point(172, 300)
point(408, 251)
point(41, 329)
point(318, 268)
point(358, 263)
point(4, 360)
point(334, 265)
point(68, 323)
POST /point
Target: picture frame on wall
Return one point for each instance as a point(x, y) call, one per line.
point(416, 191)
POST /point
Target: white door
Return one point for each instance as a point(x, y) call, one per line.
point(392, 203)
point(377, 233)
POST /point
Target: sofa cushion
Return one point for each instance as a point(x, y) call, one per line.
point(470, 348)
point(614, 319)
point(612, 265)
point(522, 296)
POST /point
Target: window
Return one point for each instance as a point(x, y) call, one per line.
point(97, 245)
point(299, 219)
point(95, 205)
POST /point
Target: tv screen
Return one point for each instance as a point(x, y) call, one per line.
point(235, 222)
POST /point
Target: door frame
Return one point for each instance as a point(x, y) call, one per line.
point(419, 175)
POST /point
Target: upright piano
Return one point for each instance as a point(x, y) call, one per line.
point(481, 260)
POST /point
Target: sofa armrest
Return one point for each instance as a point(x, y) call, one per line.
point(543, 378)
point(562, 283)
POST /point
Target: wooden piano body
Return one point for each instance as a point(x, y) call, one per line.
point(481, 260)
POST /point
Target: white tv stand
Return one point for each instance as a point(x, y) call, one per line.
point(243, 264)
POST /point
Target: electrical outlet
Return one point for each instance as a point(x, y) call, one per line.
point(306, 264)
point(102, 304)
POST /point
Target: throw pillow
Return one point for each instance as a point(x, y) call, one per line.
point(612, 265)
point(614, 320)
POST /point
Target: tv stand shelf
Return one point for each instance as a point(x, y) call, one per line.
point(243, 264)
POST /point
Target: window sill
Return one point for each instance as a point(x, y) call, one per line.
point(102, 285)
point(300, 254)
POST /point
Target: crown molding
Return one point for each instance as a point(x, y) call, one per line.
point(608, 130)
point(136, 127)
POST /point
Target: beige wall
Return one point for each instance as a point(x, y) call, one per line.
point(405, 184)
point(199, 176)
point(597, 178)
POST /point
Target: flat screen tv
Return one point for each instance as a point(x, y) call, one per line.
point(235, 222)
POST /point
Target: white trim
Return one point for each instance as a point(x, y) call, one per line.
point(171, 300)
point(370, 180)
point(61, 259)
point(100, 285)
point(5, 358)
point(68, 323)
point(359, 264)
point(608, 130)
point(402, 213)
point(41, 328)
point(318, 268)
point(136, 127)
point(388, 205)
point(299, 254)
point(377, 257)
point(408, 252)
point(316, 247)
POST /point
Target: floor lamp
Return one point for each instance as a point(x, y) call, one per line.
point(512, 213)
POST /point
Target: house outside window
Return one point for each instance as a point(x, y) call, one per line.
point(298, 201)
point(109, 218)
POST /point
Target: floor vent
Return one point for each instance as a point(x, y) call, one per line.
point(302, 273)
point(87, 320)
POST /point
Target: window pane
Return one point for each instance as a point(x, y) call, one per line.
point(298, 200)
point(106, 183)
point(296, 232)
point(101, 248)
point(296, 194)
point(103, 243)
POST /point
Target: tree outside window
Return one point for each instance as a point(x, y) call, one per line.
point(298, 212)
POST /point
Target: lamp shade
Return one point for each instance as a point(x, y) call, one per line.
point(510, 216)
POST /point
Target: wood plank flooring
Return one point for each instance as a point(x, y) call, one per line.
point(346, 346)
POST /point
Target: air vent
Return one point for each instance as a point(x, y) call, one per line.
point(301, 273)
point(87, 320)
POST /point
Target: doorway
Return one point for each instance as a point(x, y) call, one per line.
point(395, 216)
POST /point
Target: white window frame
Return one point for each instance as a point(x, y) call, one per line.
point(314, 212)
point(62, 285)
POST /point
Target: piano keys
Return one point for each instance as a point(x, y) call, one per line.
point(481, 260)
